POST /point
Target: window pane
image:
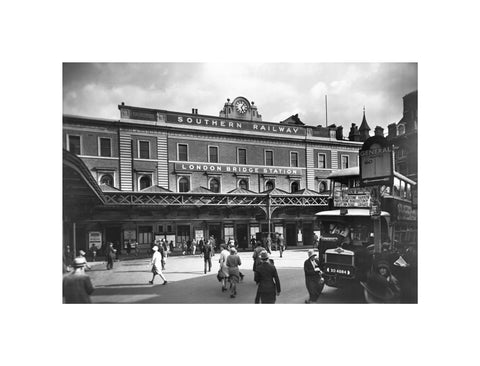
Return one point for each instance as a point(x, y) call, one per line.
point(294, 159)
point(74, 144)
point(145, 182)
point(105, 147)
point(183, 152)
point(344, 162)
point(243, 184)
point(107, 179)
point(321, 161)
point(213, 154)
point(144, 150)
point(242, 156)
point(294, 187)
point(268, 157)
point(215, 185)
point(269, 185)
point(183, 185)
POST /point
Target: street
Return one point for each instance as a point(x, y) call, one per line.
point(187, 283)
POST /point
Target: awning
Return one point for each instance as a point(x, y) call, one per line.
point(351, 212)
point(345, 172)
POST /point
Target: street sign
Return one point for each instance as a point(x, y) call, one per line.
point(376, 161)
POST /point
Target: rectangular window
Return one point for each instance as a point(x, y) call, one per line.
point(293, 159)
point(344, 162)
point(228, 231)
point(105, 146)
point(269, 157)
point(74, 144)
point(242, 156)
point(213, 154)
point(182, 152)
point(144, 149)
point(322, 161)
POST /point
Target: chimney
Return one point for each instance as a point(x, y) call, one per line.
point(378, 131)
point(392, 130)
point(339, 133)
point(354, 134)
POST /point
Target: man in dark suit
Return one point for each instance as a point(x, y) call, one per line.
point(313, 277)
point(266, 277)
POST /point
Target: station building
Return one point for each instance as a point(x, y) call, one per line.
point(156, 173)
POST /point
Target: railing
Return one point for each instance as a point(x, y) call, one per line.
point(201, 199)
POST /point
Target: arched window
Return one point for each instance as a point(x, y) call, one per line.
point(243, 184)
point(183, 184)
point(269, 185)
point(214, 185)
point(145, 182)
point(107, 179)
point(294, 187)
point(322, 187)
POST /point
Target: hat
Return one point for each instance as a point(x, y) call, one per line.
point(79, 262)
point(233, 250)
point(311, 253)
point(82, 252)
point(155, 248)
point(263, 255)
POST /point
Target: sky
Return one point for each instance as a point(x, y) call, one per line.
point(279, 90)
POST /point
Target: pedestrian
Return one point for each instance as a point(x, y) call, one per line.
point(233, 261)
point(253, 242)
point(82, 255)
point(214, 244)
point(171, 245)
point(280, 244)
point(381, 286)
point(269, 244)
point(256, 254)
point(110, 254)
point(194, 246)
point(165, 248)
point(137, 249)
point(161, 250)
point(184, 247)
point(77, 286)
point(129, 247)
point(93, 249)
point(223, 272)
point(313, 277)
point(156, 264)
point(266, 277)
point(201, 245)
point(68, 258)
point(207, 257)
point(315, 241)
point(189, 246)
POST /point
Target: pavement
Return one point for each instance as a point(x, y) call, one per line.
point(187, 284)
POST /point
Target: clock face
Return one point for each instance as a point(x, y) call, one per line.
point(241, 106)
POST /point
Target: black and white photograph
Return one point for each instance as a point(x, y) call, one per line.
point(305, 195)
point(267, 183)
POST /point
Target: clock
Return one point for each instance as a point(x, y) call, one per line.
point(241, 106)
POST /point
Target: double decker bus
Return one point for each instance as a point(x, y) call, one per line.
point(346, 244)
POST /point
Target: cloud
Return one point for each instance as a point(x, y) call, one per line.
point(278, 89)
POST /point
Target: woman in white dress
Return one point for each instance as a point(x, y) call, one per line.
point(157, 265)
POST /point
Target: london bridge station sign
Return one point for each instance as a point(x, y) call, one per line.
point(214, 168)
point(234, 125)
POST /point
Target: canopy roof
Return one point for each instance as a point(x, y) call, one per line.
point(350, 212)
